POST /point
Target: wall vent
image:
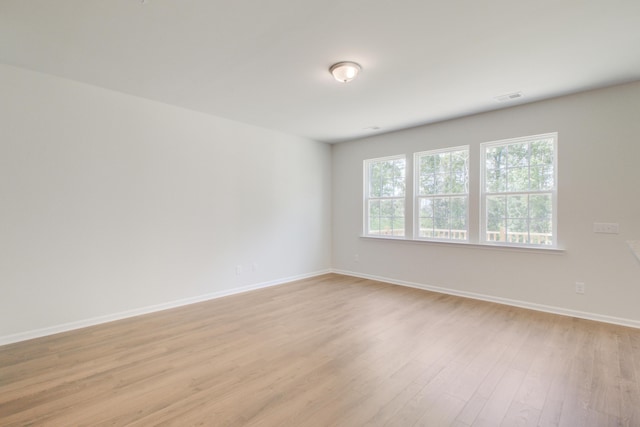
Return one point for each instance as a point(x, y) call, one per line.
point(509, 97)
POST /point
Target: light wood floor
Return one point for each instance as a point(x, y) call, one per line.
point(328, 351)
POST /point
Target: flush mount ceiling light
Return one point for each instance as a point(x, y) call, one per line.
point(345, 71)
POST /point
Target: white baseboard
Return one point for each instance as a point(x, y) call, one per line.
point(23, 336)
point(37, 333)
point(506, 301)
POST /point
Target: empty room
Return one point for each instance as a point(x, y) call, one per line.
point(319, 213)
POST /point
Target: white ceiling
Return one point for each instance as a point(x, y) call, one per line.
point(266, 62)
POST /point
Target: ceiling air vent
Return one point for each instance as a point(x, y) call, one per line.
point(509, 97)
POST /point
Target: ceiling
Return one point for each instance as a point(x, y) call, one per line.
point(266, 62)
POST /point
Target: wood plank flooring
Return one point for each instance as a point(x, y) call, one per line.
point(328, 351)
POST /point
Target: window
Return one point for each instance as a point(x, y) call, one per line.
point(501, 193)
point(442, 194)
point(518, 192)
point(385, 196)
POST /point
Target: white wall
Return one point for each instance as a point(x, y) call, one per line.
point(599, 181)
point(111, 203)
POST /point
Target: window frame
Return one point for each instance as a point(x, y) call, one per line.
point(477, 215)
point(417, 196)
point(367, 196)
point(483, 194)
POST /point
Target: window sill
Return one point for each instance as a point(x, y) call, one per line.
point(498, 247)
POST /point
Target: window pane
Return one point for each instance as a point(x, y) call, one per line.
point(458, 172)
point(496, 217)
point(398, 208)
point(374, 208)
point(391, 217)
point(441, 207)
point(459, 224)
point(426, 208)
point(459, 228)
point(428, 184)
point(458, 207)
point(496, 180)
point(441, 225)
point(517, 230)
point(442, 162)
point(387, 178)
point(398, 187)
point(374, 216)
point(375, 180)
point(517, 226)
point(542, 153)
point(386, 207)
point(518, 179)
point(459, 159)
point(541, 178)
point(540, 206)
point(518, 206)
point(387, 188)
point(426, 227)
point(398, 225)
point(518, 155)
point(459, 182)
point(443, 173)
point(374, 225)
point(398, 167)
point(427, 165)
point(496, 158)
point(541, 231)
point(385, 226)
point(496, 234)
point(441, 183)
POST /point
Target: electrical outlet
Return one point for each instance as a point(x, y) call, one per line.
point(606, 227)
point(238, 270)
point(356, 258)
point(580, 288)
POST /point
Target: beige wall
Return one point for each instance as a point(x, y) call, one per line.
point(599, 181)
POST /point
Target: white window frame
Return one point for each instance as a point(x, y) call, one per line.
point(417, 196)
point(484, 194)
point(368, 198)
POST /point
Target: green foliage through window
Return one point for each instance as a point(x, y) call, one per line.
point(386, 196)
point(442, 188)
point(519, 186)
point(515, 202)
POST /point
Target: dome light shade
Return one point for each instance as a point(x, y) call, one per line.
point(345, 71)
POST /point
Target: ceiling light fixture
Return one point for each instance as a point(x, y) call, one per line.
point(345, 71)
